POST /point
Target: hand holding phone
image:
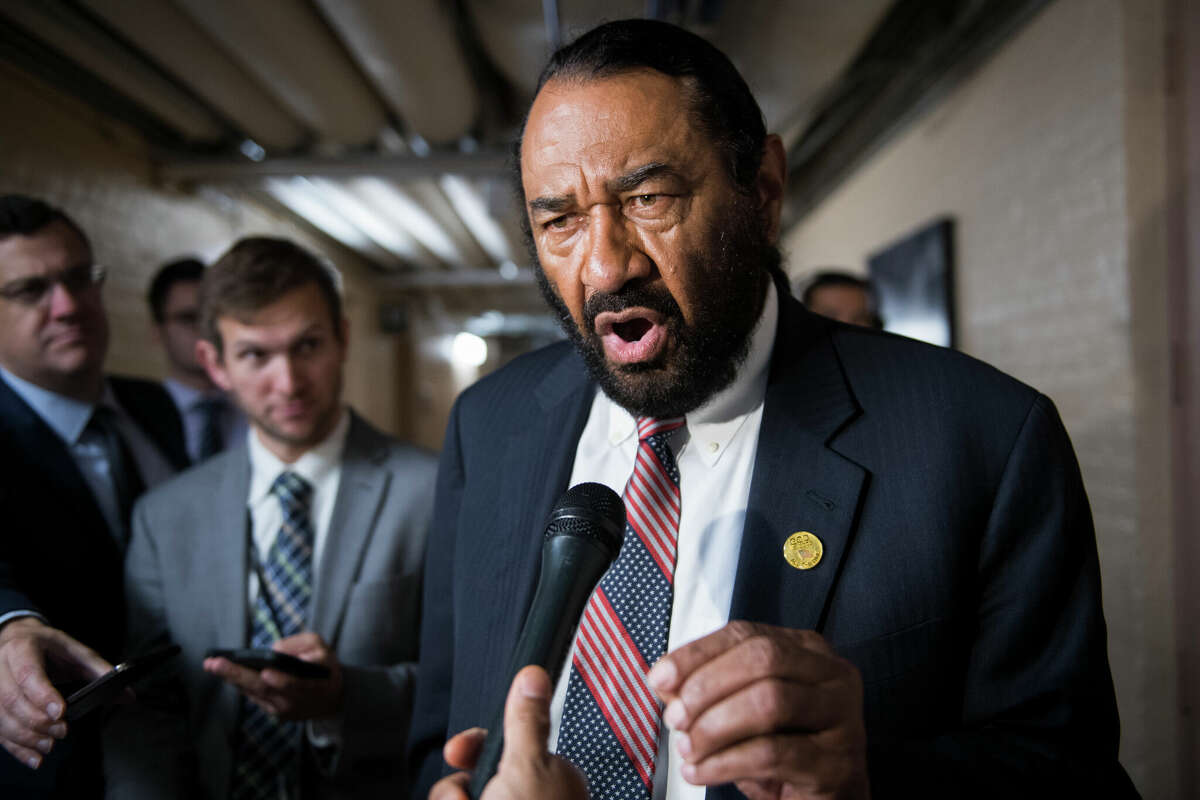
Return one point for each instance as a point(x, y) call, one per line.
point(299, 678)
point(260, 659)
point(104, 690)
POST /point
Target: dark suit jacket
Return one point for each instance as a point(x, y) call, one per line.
point(959, 575)
point(57, 556)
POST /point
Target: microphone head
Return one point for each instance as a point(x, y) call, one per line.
point(592, 511)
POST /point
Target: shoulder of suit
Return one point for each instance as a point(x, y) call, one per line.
point(195, 485)
point(548, 368)
point(874, 359)
point(364, 439)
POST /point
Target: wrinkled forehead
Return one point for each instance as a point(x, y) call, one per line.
point(607, 123)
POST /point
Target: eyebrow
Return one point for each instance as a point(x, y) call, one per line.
point(556, 204)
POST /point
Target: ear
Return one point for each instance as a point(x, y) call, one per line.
point(770, 182)
point(210, 359)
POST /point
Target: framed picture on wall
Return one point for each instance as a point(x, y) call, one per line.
point(914, 280)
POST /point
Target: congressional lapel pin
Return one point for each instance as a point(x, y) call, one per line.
point(803, 550)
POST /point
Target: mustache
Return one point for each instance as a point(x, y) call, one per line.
point(631, 296)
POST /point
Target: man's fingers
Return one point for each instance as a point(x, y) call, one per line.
point(795, 759)
point(452, 787)
point(763, 708)
point(245, 680)
point(462, 750)
point(299, 644)
point(86, 661)
point(38, 736)
point(527, 715)
point(28, 757)
point(771, 653)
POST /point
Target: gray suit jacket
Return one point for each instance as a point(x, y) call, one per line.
point(186, 577)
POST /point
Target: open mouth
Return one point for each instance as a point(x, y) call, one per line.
point(631, 335)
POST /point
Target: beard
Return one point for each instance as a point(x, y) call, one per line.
point(726, 281)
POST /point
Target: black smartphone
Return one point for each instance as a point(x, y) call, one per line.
point(105, 689)
point(270, 659)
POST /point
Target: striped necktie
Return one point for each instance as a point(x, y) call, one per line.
point(611, 718)
point(267, 766)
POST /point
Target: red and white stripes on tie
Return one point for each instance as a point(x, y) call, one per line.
point(624, 631)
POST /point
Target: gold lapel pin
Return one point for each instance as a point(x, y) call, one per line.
point(803, 550)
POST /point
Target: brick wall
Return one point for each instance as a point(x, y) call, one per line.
point(1045, 158)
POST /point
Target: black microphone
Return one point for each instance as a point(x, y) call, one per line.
point(583, 536)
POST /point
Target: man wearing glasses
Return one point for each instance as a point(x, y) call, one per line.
point(76, 449)
point(210, 421)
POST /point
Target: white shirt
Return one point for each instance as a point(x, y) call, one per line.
point(190, 403)
point(716, 462)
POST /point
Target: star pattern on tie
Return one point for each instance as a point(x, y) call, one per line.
point(611, 718)
point(268, 747)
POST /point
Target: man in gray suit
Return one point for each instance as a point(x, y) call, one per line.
point(307, 540)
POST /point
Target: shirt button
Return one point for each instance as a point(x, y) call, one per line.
point(713, 447)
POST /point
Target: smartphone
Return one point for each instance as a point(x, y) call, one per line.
point(105, 689)
point(270, 659)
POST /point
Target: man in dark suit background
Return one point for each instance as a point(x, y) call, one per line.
point(76, 448)
point(870, 561)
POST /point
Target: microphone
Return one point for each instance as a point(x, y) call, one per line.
point(583, 536)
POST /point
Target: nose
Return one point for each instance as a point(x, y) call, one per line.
point(287, 375)
point(614, 255)
point(62, 302)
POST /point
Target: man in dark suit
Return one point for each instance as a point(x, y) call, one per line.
point(76, 448)
point(307, 538)
point(858, 565)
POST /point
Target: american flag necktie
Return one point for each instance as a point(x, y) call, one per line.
point(266, 767)
point(611, 718)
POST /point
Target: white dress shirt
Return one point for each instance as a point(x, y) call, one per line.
point(322, 468)
point(715, 457)
point(190, 403)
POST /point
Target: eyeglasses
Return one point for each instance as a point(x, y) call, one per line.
point(34, 290)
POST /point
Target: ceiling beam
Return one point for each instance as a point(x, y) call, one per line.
point(455, 279)
point(486, 165)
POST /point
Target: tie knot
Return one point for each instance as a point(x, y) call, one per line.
point(292, 490)
point(650, 426)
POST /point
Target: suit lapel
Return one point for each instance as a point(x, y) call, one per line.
point(800, 483)
point(228, 566)
point(536, 463)
point(41, 448)
point(361, 490)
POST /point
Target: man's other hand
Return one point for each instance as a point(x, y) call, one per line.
point(527, 770)
point(283, 695)
point(31, 709)
point(773, 710)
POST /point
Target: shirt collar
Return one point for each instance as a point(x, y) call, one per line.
point(712, 426)
point(314, 466)
point(66, 416)
point(187, 397)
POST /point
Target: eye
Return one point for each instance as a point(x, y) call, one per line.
point(558, 223)
point(254, 355)
point(646, 200)
point(307, 346)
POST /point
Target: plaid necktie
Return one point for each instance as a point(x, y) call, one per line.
point(611, 717)
point(267, 766)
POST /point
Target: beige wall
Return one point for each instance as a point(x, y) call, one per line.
point(1049, 158)
point(56, 148)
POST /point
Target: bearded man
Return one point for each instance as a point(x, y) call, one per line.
point(857, 564)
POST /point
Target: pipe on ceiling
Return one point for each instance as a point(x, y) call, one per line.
point(96, 51)
point(413, 57)
point(171, 38)
point(288, 48)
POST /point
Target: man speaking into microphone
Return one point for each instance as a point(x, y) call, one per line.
point(858, 565)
